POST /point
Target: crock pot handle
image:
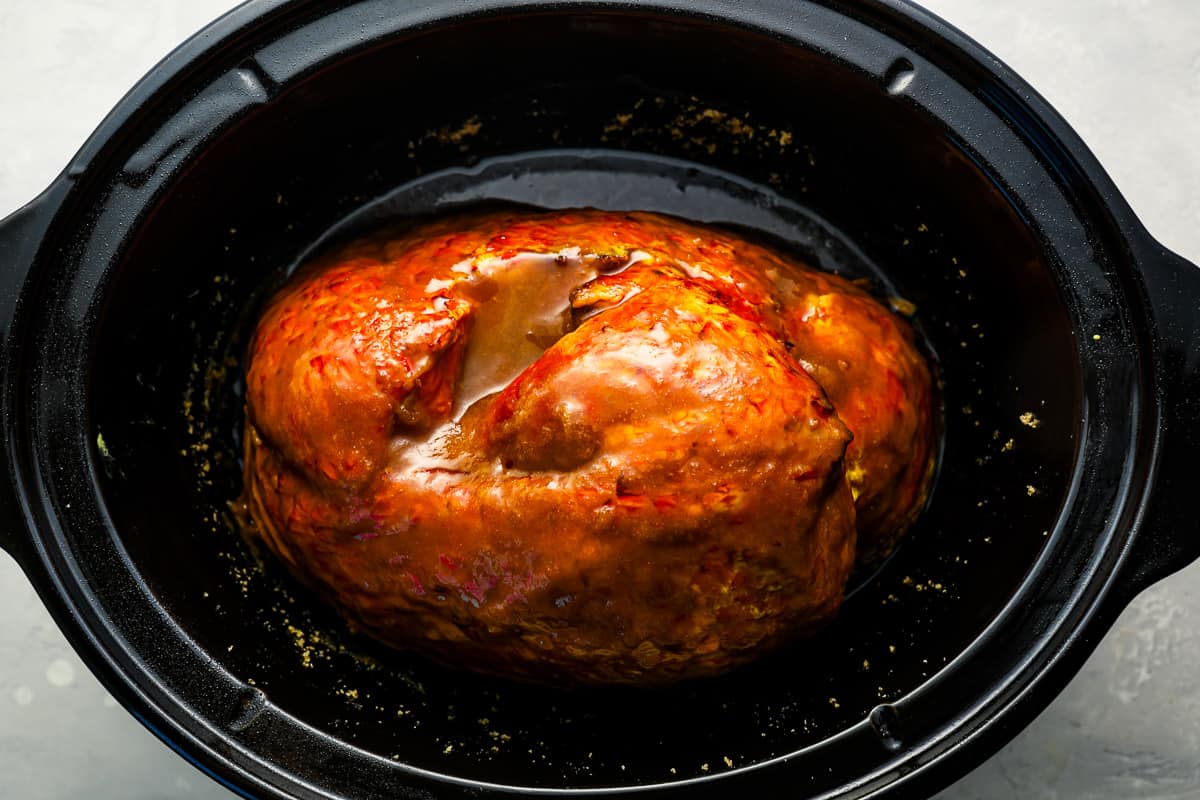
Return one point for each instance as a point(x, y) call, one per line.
point(1170, 535)
point(20, 236)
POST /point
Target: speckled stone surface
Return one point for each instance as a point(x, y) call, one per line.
point(1125, 73)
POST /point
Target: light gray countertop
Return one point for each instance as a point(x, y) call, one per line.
point(1125, 73)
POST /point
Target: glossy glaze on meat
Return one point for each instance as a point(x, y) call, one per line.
point(581, 446)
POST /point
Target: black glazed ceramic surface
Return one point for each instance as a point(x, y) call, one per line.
point(854, 132)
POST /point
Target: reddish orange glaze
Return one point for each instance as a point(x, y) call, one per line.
point(581, 446)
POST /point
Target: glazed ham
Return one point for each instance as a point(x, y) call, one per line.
point(581, 446)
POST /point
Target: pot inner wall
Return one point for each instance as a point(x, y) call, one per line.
point(695, 122)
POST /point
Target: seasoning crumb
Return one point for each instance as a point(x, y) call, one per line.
point(672, 770)
point(449, 749)
point(833, 702)
point(102, 446)
point(866, 664)
point(704, 767)
point(891, 648)
point(1095, 337)
point(1008, 446)
point(1031, 490)
point(728, 761)
point(1028, 418)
